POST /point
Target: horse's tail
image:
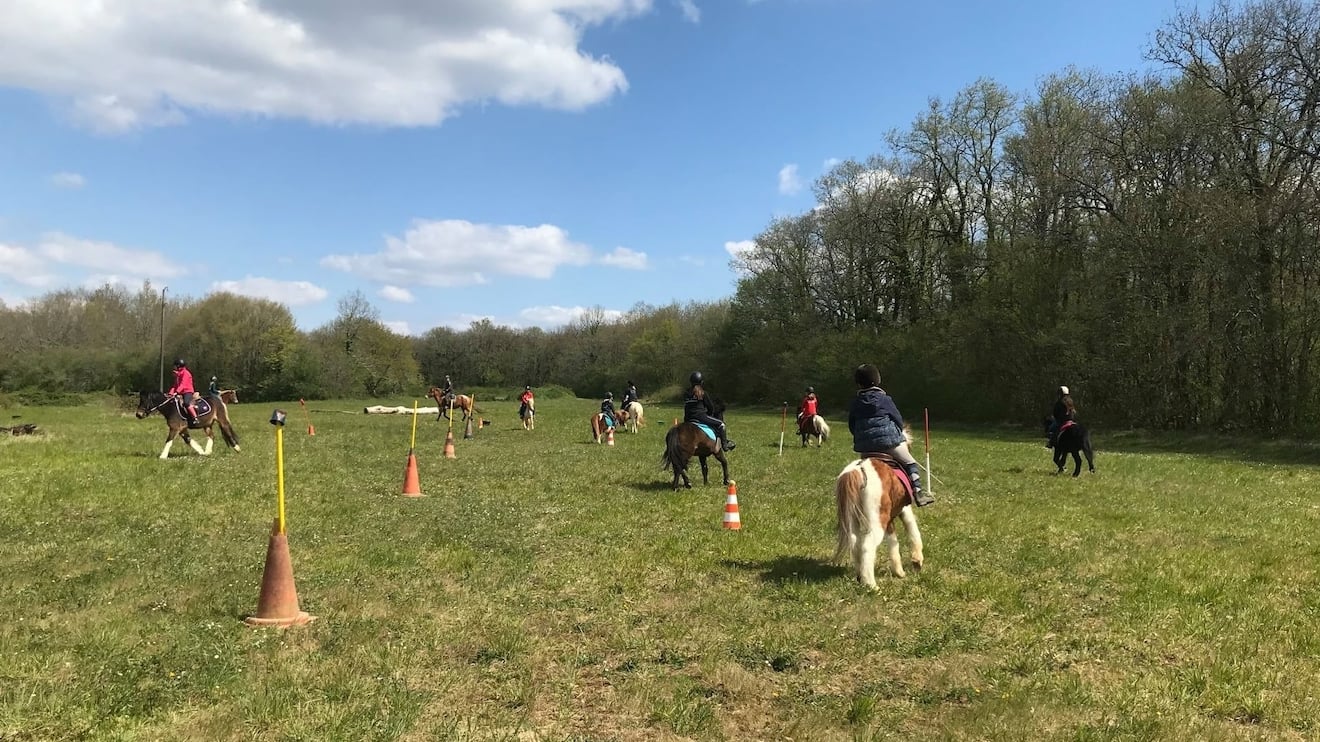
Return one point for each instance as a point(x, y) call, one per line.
point(848, 489)
point(823, 428)
point(673, 458)
point(226, 427)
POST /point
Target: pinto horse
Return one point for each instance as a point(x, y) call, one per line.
point(1072, 438)
point(871, 498)
point(685, 440)
point(813, 427)
point(461, 402)
point(635, 415)
point(528, 415)
point(171, 408)
point(599, 426)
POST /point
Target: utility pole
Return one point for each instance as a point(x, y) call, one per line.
point(162, 339)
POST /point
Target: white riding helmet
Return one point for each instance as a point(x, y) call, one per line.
point(1063, 390)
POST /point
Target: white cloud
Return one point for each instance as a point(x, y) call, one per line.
point(555, 316)
point(398, 327)
point(627, 259)
point(464, 321)
point(72, 181)
point(738, 250)
point(125, 64)
point(454, 252)
point(691, 13)
point(691, 260)
point(290, 293)
point(395, 293)
point(789, 182)
point(23, 265)
point(830, 163)
point(107, 257)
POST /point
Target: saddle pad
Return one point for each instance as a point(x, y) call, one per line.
point(200, 405)
point(899, 470)
point(706, 429)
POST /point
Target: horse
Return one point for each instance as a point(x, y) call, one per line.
point(599, 426)
point(1072, 438)
point(461, 402)
point(814, 427)
point(171, 408)
point(229, 396)
point(685, 440)
point(528, 415)
point(635, 415)
point(871, 498)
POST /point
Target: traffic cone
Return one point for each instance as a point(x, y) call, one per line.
point(731, 520)
point(412, 487)
point(449, 445)
point(609, 437)
point(310, 429)
point(467, 430)
point(278, 604)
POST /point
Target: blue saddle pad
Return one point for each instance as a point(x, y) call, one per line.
point(706, 429)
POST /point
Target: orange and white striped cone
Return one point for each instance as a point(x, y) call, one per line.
point(731, 520)
point(609, 437)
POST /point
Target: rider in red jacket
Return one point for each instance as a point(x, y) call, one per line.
point(183, 385)
point(807, 409)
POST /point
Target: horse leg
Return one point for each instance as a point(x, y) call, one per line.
point(1077, 463)
point(210, 441)
point(864, 549)
point(169, 443)
point(914, 537)
point(891, 545)
point(705, 470)
point(192, 443)
point(724, 465)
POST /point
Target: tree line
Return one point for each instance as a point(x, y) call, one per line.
point(1150, 240)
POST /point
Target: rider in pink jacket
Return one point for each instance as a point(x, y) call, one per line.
point(183, 385)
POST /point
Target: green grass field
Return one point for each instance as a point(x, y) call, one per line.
point(548, 588)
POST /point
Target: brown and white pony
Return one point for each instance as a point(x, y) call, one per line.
point(462, 402)
point(599, 428)
point(814, 427)
point(871, 499)
point(636, 415)
point(171, 409)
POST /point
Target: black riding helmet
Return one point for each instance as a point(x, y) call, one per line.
point(178, 363)
point(696, 378)
point(811, 390)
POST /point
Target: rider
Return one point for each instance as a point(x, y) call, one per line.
point(807, 408)
point(607, 408)
point(183, 384)
point(877, 427)
point(698, 409)
point(527, 401)
point(214, 389)
point(448, 390)
point(629, 395)
point(1064, 410)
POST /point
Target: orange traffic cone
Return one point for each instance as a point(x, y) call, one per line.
point(467, 430)
point(731, 519)
point(609, 437)
point(412, 486)
point(449, 445)
point(310, 429)
point(278, 604)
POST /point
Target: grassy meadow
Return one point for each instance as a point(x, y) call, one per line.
point(550, 589)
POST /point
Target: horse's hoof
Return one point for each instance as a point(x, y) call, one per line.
point(916, 566)
point(237, 449)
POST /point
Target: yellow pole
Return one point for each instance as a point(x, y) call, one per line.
point(451, 414)
point(279, 471)
point(413, 443)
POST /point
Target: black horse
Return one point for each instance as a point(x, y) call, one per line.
point(1073, 439)
point(171, 408)
point(685, 440)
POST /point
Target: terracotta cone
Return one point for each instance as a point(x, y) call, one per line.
point(412, 486)
point(467, 429)
point(310, 430)
point(449, 445)
point(278, 604)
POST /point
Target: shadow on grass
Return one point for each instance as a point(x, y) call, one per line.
point(791, 569)
point(654, 486)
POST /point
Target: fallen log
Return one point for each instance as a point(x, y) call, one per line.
point(382, 410)
point(25, 429)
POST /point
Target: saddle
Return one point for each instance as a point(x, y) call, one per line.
point(899, 470)
point(200, 406)
point(706, 429)
point(1066, 424)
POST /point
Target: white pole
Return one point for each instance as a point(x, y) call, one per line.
point(930, 484)
point(782, 420)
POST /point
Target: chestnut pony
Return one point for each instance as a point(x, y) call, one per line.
point(871, 499)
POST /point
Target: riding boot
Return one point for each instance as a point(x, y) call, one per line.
point(192, 415)
point(725, 443)
point(919, 497)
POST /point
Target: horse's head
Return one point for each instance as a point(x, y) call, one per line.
point(148, 401)
point(717, 406)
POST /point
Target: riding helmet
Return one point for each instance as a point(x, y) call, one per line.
point(1063, 390)
point(609, 395)
point(178, 363)
point(528, 387)
point(811, 390)
point(696, 378)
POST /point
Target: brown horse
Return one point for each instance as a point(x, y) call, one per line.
point(685, 440)
point(599, 426)
point(171, 408)
point(813, 427)
point(462, 402)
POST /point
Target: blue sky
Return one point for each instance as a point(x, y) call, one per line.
point(457, 159)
